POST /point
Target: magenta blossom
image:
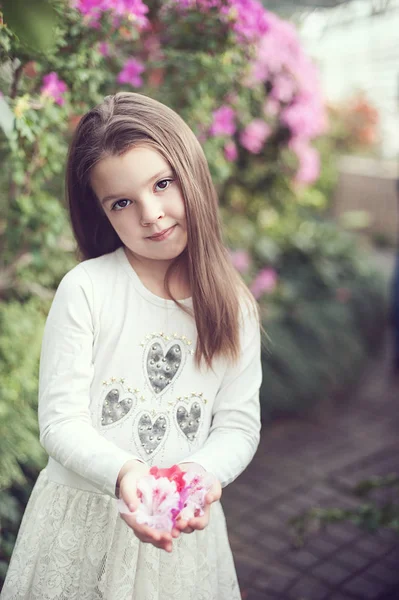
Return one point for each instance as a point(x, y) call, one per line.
point(230, 151)
point(264, 283)
point(304, 117)
point(223, 121)
point(241, 260)
point(284, 88)
point(249, 17)
point(131, 72)
point(271, 107)
point(254, 135)
point(54, 87)
point(309, 163)
point(103, 48)
point(246, 18)
point(133, 9)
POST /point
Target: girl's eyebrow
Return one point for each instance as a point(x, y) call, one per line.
point(163, 173)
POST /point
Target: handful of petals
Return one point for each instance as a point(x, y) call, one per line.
point(167, 494)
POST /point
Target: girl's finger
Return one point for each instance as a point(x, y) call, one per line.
point(199, 522)
point(188, 530)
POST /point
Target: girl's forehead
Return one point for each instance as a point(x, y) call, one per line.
point(137, 166)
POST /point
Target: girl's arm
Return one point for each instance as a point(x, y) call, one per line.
point(66, 372)
point(235, 429)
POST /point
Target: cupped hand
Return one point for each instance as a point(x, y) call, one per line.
point(214, 494)
point(128, 478)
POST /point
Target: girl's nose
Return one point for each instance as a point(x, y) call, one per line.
point(151, 212)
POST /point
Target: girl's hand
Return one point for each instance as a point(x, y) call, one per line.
point(214, 494)
point(128, 478)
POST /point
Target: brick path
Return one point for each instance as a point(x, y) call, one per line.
point(312, 461)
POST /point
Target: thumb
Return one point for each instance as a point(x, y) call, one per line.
point(128, 491)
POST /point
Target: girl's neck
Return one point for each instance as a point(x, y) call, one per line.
point(152, 275)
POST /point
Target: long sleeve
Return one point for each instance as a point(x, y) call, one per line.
point(235, 429)
point(66, 372)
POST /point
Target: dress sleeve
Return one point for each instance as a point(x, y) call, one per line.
point(235, 428)
point(66, 372)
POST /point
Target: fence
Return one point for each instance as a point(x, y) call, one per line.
point(370, 187)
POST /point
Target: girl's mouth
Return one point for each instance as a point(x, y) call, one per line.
point(163, 235)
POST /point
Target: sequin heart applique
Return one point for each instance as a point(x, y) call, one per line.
point(162, 367)
point(151, 433)
point(189, 422)
point(115, 408)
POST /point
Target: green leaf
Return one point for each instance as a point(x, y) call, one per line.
point(33, 21)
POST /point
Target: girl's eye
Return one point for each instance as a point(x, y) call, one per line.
point(121, 204)
point(164, 184)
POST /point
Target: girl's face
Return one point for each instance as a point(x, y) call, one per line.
point(142, 199)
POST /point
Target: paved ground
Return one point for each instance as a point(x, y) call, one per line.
point(314, 461)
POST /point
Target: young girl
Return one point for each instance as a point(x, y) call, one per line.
point(150, 356)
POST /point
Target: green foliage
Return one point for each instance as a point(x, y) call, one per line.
point(370, 516)
point(21, 329)
point(324, 317)
point(317, 348)
point(33, 22)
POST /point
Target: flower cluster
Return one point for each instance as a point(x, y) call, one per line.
point(134, 10)
point(54, 88)
point(131, 73)
point(294, 101)
point(166, 494)
point(264, 283)
point(246, 18)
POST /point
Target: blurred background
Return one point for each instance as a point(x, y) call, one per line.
point(296, 105)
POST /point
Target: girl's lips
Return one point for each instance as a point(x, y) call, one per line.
point(162, 236)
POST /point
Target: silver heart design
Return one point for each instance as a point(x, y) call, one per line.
point(151, 433)
point(114, 409)
point(161, 367)
point(189, 422)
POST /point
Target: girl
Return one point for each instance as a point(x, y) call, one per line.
point(150, 356)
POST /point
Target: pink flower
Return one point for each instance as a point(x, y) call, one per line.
point(304, 117)
point(103, 48)
point(249, 17)
point(230, 151)
point(131, 72)
point(241, 260)
point(271, 107)
point(193, 496)
point(264, 283)
point(54, 88)
point(165, 493)
point(254, 135)
point(93, 9)
point(174, 473)
point(223, 121)
point(159, 502)
point(284, 88)
point(309, 162)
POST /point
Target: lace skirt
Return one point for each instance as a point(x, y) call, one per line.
point(72, 545)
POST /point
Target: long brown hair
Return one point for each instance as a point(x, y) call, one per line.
point(119, 123)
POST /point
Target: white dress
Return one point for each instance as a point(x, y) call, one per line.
point(118, 381)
